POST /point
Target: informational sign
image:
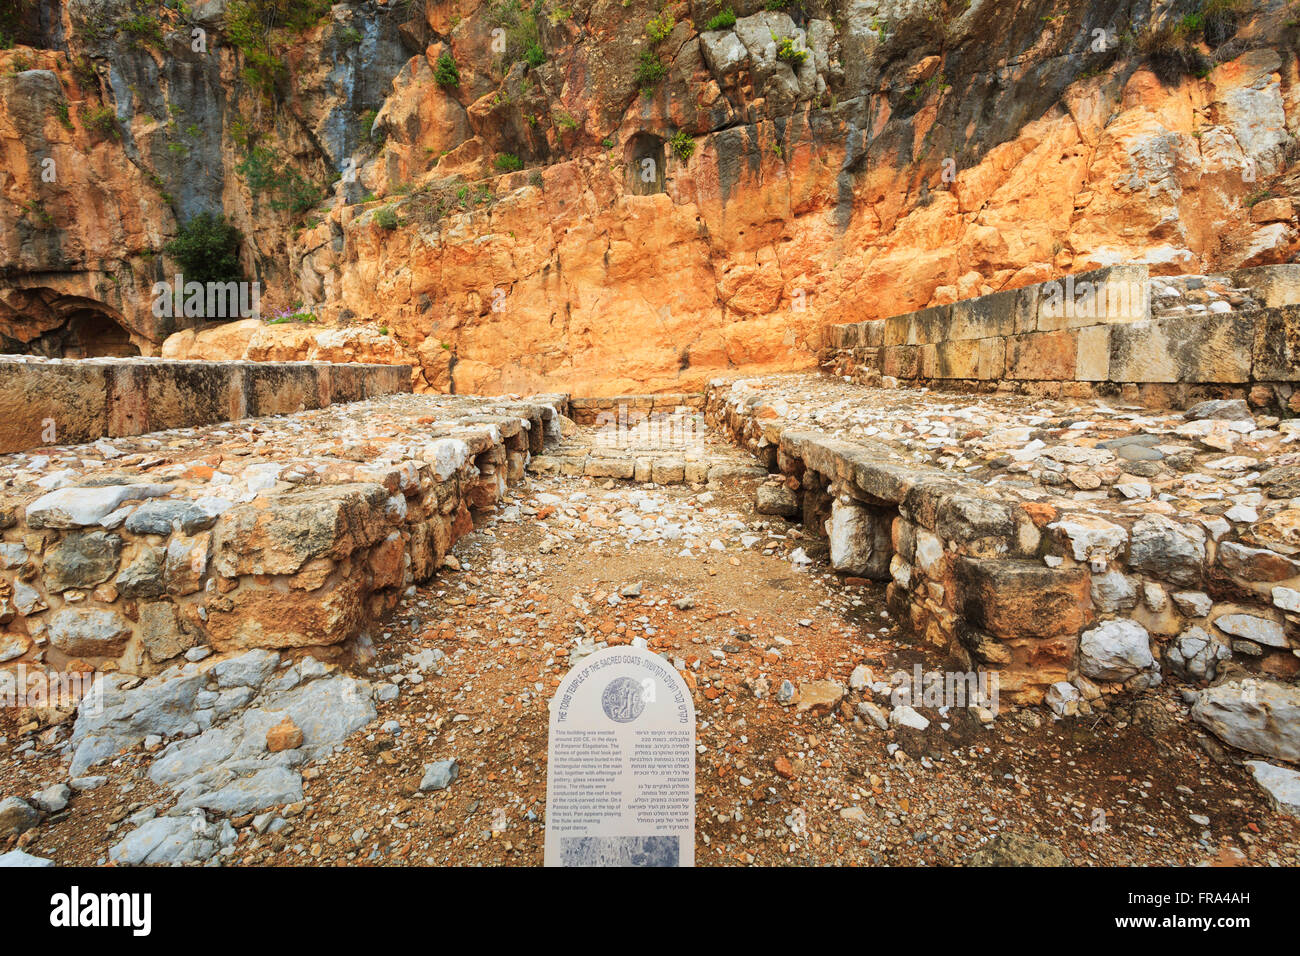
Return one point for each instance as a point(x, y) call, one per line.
point(620, 774)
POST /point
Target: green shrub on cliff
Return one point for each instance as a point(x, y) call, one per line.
point(787, 51)
point(206, 249)
point(445, 72)
point(257, 29)
point(660, 26)
point(682, 145)
point(650, 71)
point(286, 188)
point(723, 21)
point(522, 36)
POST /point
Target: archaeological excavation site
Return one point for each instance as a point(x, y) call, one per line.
point(650, 433)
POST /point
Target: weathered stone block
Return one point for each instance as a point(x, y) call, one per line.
point(89, 632)
point(281, 536)
point(279, 616)
point(162, 631)
point(1115, 294)
point(40, 404)
point(992, 359)
point(988, 316)
point(82, 560)
point(901, 361)
point(932, 325)
point(1276, 347)
point(1092, 363)
point(1042, 356)
point(957, 359)
point(859, 540)
point(1200, 348)
point(1270, 286)
point(1023, 599)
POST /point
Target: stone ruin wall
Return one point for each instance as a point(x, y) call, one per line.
point(1164, 342)
point(1013, 585)
point(43, 401)
point(295, 548)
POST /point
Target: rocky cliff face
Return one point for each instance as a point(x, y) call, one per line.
point(612, 197)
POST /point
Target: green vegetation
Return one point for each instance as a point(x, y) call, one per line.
point(723, 21)
point(565, 121)
point(445, 72)
point(286, 188)
point(101, 120)
point(431, 203)
point(788, 51)
point(350, 36)
point(682, 145)
point(38, 213)
point(61, 111)
point(1172, 49)
point(142, 29)
point(296, 314)
point(660, 27)
point(918, 91)
point(508, 163)
point(1258, 197)
point(523, 40)
point(650, 71)
point(207, 249)
point(258, 29)
point(386, 217)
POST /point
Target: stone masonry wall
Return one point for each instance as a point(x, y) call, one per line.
point(292, 532)
point(44, 401)
point(1070, 597)
point(1166, 341)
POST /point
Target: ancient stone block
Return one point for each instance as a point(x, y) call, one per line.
point(1168, 549)
point(901, 361)
point(1196, 348)
point(992, 359)
point(609, 468)
point(1114, 294)
point(40, 404)
point(278, 616)
point(281, 536)
point(859, 540)
point(988, 316)
point(1093, 361)
point(1042, 356)
point(1023, 599)
point(931, 326)
point(1276, 346)
point(89, 632)
point(956, 359)
point(82, 560)
point(162, 631)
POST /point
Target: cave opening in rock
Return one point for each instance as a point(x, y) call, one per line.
point(644, 154)
point(56, 325)
point(92, 334)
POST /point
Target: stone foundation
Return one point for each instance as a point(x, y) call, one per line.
point(299, 531)
point(1005, 561)
point(46, 402)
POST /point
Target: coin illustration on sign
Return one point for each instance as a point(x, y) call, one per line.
point(622, 700)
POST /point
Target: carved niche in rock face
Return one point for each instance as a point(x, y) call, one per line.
point(644, 154)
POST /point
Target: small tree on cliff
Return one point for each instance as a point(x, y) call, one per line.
point(207, 249)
